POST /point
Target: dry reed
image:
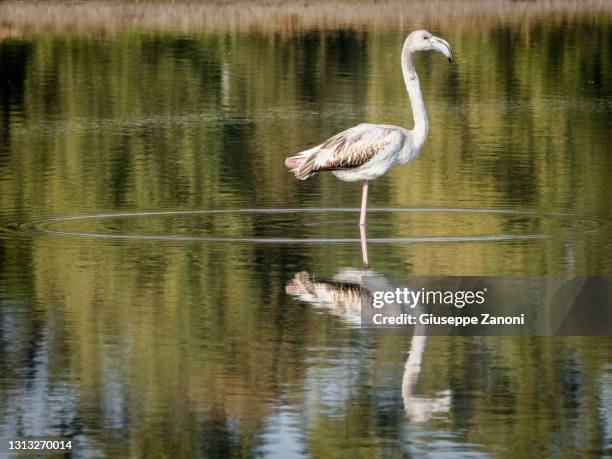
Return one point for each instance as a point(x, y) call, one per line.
point(110, 17)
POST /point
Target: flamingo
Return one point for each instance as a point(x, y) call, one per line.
point(367, 151)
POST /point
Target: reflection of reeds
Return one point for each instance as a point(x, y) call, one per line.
point(279, 16)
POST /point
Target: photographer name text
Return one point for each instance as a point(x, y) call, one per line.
point(456, 321)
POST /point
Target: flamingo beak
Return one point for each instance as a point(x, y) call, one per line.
point(443, 47)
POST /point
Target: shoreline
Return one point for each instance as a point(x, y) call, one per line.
point(18, 18)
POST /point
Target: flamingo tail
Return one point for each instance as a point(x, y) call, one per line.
point(302, 164)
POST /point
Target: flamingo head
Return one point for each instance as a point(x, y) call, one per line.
point(422, 40)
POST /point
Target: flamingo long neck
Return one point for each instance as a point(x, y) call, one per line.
point(421, 123)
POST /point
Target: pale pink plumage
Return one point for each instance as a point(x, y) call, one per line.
point(350, 150)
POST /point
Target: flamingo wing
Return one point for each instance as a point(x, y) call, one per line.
point(352, 148)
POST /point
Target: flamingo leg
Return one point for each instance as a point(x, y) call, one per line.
point(364, 246)
point(364, 203)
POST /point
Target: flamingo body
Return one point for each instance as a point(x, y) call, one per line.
point(363, 152)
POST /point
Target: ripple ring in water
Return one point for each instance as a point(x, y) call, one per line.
point(49, 226)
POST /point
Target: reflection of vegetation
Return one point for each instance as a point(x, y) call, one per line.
point(200, 342)
point(183, 343)
point(150, 120)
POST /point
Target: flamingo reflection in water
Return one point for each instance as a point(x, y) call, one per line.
point(342, 296)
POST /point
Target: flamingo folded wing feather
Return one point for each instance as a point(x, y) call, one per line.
point(353, 148)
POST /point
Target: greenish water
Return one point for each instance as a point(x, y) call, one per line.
point(154, 335)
